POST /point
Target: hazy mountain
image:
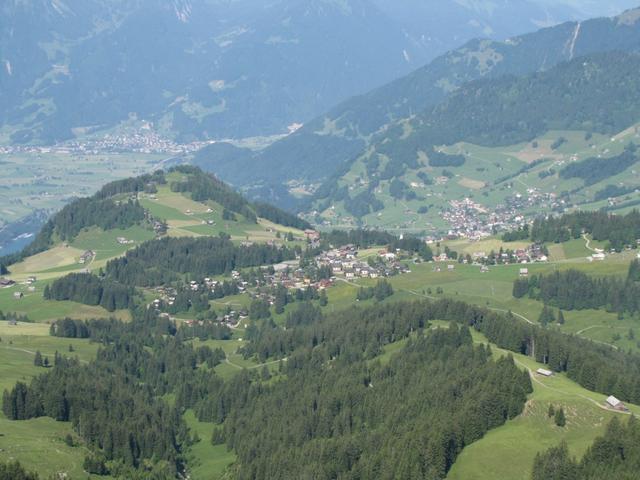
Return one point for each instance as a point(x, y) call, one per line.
point(225, 68)
point(323, 145)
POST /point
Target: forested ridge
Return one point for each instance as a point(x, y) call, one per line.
point(115, 206)
point(593, 93)
point(598, 90)
point(100, 210)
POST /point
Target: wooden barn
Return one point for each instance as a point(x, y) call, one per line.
point(615, 404)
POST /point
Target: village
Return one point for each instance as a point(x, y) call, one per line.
point(301, 279)
point(472, 220)
point(141, 140)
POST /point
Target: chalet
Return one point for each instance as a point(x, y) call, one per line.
point(614, 403)
point(13, 322)
point(484, 269)
point(18, 295)
point(87, 256)
point(598, 256)
point(6, 283)
point(451, 267)
point(544, 372)
point(524, 272)
point(312, 235)
point(31, 279)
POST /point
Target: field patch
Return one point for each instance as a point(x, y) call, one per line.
point(55, 257)
point(470, 183)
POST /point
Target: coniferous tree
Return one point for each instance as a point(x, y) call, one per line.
point(37, 361)
point(559, 417)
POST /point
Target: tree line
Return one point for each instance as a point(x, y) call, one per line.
point(575, 290)
point(91, 290)
point(161, 261)
point(594, 169)
point(205, 186)
point(381, 290)
point(615, 454)
point(618, 230)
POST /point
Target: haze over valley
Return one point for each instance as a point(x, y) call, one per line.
point(319, 239)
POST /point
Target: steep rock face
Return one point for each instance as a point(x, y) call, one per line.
point(220, 68)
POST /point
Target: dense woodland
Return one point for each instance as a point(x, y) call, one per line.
point(161, 261)
point(575, 290)
point(508, 110)
point(614, 455)
point(350, 416)
point(619, 231)
point(90, 290)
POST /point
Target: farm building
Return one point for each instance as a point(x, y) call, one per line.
point(613, 402)
point(6, 283)
point(451, 267)
point(18, 295)
point(524, 272)
point(87, 256)
point(544, 372)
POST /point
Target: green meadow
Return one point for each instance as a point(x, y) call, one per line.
point(508, 451)
point(38, 443)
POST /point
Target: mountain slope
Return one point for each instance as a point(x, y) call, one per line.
point(321, 146)
point(513, 145)
point(218, 68)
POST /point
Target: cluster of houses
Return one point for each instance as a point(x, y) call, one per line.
point(344, 262)
point(8, 283)
point(534, 253)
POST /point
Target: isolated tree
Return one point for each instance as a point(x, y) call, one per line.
point(559, 418)
point(546, 316)
point(552, 411)
point(37, 361)
point(324, 300)
point(560, 317)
